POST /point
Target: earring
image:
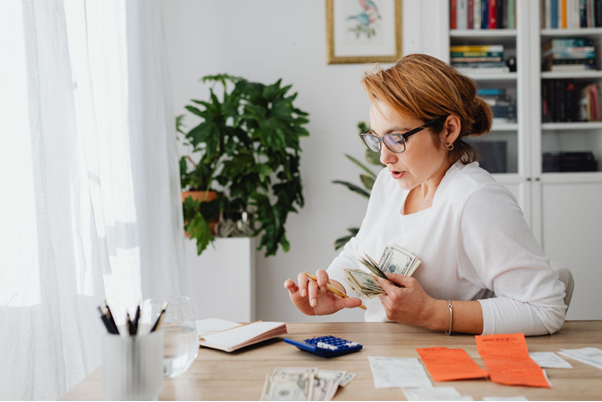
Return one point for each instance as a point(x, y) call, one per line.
point(450, 147)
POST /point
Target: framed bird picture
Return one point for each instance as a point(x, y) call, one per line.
point(363, 31)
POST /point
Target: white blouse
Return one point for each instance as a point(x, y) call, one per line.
point(474, 244)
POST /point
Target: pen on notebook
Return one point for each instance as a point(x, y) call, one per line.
point(332, 289)
point(160, 319)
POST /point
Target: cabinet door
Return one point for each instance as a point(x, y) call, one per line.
point(571, 219)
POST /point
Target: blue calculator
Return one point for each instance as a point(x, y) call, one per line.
point(326, 346)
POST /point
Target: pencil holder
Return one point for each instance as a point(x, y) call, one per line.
point(133, 366)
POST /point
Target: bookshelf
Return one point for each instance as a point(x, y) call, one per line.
point(562, 208)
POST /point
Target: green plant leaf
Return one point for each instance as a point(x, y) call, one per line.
point(373, 158)
point(353, 188)
point(199, 229)
point(361, 165)
point(180, 123)
point(362, 127)
point(248, 142)
point(367, 181)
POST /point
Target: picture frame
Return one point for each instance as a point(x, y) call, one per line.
point(363, 31)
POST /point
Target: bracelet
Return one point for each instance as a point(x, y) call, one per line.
point(451, 317)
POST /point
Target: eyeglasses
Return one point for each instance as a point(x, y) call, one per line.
point(394, 142)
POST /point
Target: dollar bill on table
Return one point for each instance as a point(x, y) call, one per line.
point(296, 370)
point(347, 379)
point(334, 375)
point(288, 387)
point(324, 389)
point(325, 383)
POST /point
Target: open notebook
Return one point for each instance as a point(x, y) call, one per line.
point(229, 336)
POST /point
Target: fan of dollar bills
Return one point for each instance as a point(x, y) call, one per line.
point(304, 384)
point(395, 260)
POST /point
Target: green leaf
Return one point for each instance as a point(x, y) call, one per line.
point(362, 127)
point(200, 230)
point(361, 165)
point(367, 181)
point(341, 241)
point(373, 158)
point(180, 123)
point(353, 188)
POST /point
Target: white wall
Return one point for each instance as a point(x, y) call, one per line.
point(263, 40)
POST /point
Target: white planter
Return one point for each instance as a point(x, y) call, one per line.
point(222, 279)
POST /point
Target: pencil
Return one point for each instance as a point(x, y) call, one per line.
point(128, 324)
point(332, 289)
point(160, 319)
point(105, 321)
point(111, 319)
point(136, 320)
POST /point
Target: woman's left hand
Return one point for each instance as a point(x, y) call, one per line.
point(407, 305)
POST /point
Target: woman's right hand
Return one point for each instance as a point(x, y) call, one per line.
point(312, 298)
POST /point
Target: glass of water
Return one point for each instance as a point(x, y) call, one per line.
point(181, 343)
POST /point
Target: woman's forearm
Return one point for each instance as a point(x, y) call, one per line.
point(467, 317)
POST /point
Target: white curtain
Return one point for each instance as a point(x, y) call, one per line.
point(88, 183)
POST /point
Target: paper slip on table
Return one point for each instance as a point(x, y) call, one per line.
point(240, 375)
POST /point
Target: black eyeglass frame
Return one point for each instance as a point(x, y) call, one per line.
point(403, 137)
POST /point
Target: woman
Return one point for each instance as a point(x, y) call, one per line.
point(482, 270)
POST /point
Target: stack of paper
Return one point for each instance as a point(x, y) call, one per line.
point(549, 360)
point(391, 372)
point(591, 356)
point(229, 336)
point(450, 364)
point(435, 394)
point(507, 359)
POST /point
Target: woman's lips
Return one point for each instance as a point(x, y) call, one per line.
point(397, 175)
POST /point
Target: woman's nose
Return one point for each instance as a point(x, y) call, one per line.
point(387, 156)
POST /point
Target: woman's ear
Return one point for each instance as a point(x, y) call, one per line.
point(451, 129)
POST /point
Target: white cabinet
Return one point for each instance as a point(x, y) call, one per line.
point(222, 279)
point(564, 210)
point(572, 231)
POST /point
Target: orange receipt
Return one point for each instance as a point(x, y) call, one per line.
point(450, 364)
point(508, 362)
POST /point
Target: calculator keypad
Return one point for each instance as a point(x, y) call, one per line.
point(332, 341)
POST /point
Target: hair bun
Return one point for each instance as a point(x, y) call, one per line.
point(482, 117)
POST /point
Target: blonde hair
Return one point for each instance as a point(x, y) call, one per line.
point(423, 87)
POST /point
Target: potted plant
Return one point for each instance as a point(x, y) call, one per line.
point(248, 147)
point(367, 179)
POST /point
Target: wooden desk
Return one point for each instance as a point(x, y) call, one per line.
point(217, 375)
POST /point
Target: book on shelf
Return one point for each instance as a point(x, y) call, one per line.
point(570, 14)
point(483, 14)
point(478, 58)
point(569, 162)
point(566, 101)
point(570, 54)
point(477, 70)
point(502, 105)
